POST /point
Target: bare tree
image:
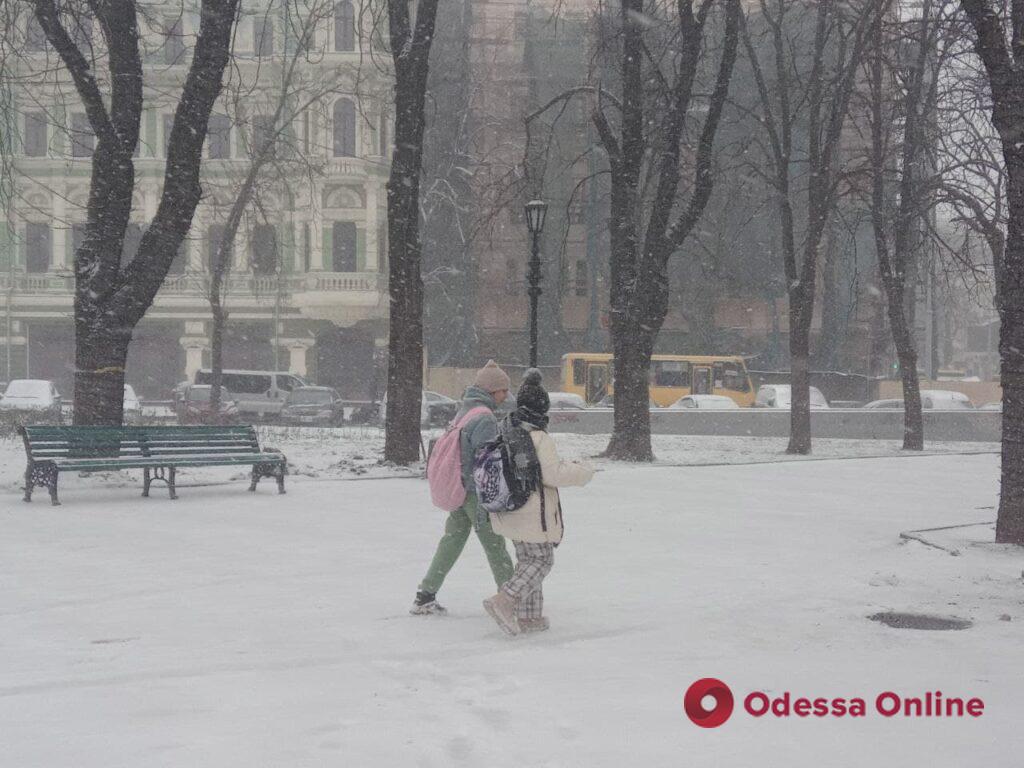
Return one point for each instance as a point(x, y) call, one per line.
point(1000, 45)
point(903, 87)
point(276, 157)
point(809, 90)
point(661, 52)
point(111, 298)
point(411, 41)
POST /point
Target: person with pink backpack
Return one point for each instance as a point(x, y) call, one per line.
point(450, 474)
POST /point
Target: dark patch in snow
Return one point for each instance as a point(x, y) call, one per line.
point(924, 621)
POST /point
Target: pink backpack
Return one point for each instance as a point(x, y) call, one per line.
point(444, 467)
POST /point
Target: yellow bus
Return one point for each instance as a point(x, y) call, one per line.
point(671, 377)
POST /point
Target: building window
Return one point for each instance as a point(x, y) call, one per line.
point(35, 38)
point(513, 280)
point(306, 248)
point(35, 134)
point(77, 237)
point(82, 138)
point(262, 133)
point(344, 128)
point(38, 247)
point(132, 240)
point(344, 26)
point(343, 247)
point(174, 42)
point(582, 283)
point(180, 259)
point(264, 249)
point(384, 141)
point(80, 29)
point(214, 234)
point(263, 36)
point(218, 137)
point(168, 126)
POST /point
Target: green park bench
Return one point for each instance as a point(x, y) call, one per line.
point(157, 451)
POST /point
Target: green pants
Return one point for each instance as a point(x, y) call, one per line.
point(456, 531)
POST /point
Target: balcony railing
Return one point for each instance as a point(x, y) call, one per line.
point(191, 283)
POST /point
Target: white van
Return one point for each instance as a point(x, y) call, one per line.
point(257, 393)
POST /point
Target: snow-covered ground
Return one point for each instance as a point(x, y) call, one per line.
point(232, 629)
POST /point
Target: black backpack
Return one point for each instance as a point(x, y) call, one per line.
point(506, 470)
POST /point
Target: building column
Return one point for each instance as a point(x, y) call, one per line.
point(297, 349)
point(61, 228)
point(316, 241)
point(372, 250)
point(195, 343)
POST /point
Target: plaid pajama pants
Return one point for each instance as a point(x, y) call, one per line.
point(533, 563)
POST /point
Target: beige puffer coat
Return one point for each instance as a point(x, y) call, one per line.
point(525, 523)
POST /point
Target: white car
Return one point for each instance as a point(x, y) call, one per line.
point(562, 401)
point(946, 400)
point(132, 406)
point(781, 396)
point(32, 400)
point(886, 404)
point(705, 403)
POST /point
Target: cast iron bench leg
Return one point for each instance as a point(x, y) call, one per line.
point(279, 474)
point(29, 482)
point(170, 482)
point(147, 480)
point(51, 483)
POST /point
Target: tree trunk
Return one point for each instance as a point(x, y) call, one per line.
point(220, 320)
point(1010, 304)
point(100, 354)
point(913, 423)
point(631, 435)
point(799, 383)
point(410, 50)
point(405, 338)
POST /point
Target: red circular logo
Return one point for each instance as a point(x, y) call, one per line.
point(696, 708)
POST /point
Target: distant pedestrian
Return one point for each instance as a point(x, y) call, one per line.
point(489, 390)
point(537, 527)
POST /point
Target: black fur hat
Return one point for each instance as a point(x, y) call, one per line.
point(531, 394)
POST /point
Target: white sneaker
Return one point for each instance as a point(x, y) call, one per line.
point(425, 605)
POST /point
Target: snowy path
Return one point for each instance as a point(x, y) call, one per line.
point(226, 629)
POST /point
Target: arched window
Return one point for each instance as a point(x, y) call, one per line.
point(344, 26)
point(344, 128)
point(264, 249)
point(343, 246)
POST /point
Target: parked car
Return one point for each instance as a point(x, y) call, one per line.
point(781, 396)
point(705, 403)
point(31, 401)
point(947, 400)
point(608, 401)
point(194, 407)
point(441, 409)
point(436, 410)
point(567, 401)
point(320, 406)
point(886, 404)
point(258, 394)
point(132, 406)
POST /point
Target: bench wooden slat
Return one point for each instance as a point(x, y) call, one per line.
point(51, 450)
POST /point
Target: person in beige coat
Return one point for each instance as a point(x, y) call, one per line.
point(537, 527)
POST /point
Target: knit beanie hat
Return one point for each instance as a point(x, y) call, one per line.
point(532, 395)
point(491, 378)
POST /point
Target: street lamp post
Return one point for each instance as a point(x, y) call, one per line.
point(536, 211)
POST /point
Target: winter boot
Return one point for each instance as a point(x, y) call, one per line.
point(425, 604)
point(534, 625)
point(502, 609)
